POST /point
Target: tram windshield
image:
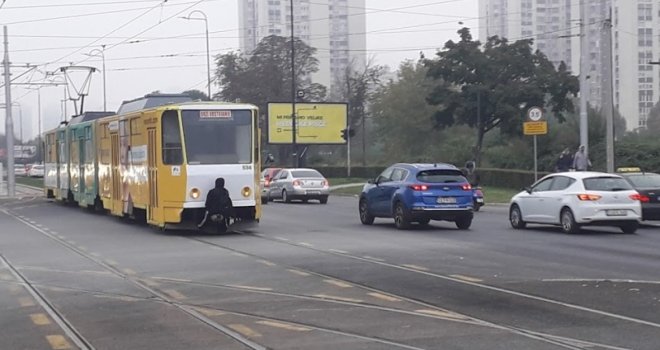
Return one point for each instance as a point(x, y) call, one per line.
point(218, 136)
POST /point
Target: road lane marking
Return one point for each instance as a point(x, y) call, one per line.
point(172, 279)
point(210, 312)
point(286, 326)
point(599, 280)
point(83, 248)
point(111, 262)
point(149, 282)
point(415, 267)
point(250, 287)
point(384, 297)
point(95, 254)
point(58, 342)
point(373, 258)
point(25, 302)
point(467, 278)
point(235, 253)
point(298, 272)
point(245, 330)
point(118, 297)
point(440, 313)
point(40, 319)
point(338, 251)
point(265, 262)
point(281, 238)
point(174, 294)
point(332, 297)
point(338, 283)
point(129, 272)
point(305, 244)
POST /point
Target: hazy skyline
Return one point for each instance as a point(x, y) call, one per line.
point(148, 47)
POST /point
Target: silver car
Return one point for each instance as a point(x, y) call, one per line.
point(302, 184)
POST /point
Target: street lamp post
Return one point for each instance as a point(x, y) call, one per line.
point(208, 51)
point(293, 89)
point(101, 52)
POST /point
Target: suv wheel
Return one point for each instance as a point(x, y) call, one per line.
point(464, 223)
point(401, 220)
point(515, 217)
point(365, 217)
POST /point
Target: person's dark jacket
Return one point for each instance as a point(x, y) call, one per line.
point(565, 162)
point(218, 200)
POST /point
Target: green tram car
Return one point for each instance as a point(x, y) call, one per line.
point(71, 171)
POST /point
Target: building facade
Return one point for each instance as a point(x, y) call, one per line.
point(555, 26)
point(336, 28)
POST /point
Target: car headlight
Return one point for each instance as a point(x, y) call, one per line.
point(246, 191)
point(194, 193)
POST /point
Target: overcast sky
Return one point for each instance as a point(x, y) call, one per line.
point(149, 48)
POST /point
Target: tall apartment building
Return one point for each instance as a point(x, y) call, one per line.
point(336, 28)
point(555, 27)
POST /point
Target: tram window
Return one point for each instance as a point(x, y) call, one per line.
point(172, 151)
point(218, 140)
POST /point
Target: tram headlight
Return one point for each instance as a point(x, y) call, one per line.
point(246, 192)
point(194, 193)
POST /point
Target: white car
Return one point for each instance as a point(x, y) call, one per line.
point(36, 170)
point(19, 170)
point(576, 199)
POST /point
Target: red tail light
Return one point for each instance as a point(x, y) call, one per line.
point(325, 183)
point(467, 187)
point(296, 183)
point(640, 197)
point(267, 183)
point(419, 187)
point(589, 197)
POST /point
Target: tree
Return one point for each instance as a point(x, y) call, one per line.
point(197, 95)
point(493, 87)
point(653, 120)
point(358, 88)
point(265, 76)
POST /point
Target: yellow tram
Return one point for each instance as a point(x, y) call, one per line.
point(158, 163)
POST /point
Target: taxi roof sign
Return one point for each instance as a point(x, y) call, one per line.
point(629, 170)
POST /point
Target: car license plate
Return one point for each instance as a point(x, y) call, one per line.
point(616, 213)
point(446, 200)
point(480, 200)
point(313, 192)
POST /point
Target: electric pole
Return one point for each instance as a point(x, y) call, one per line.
point(607, 100)
point(9, 124)
point(584, 71)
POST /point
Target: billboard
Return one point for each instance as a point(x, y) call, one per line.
point(316, 123)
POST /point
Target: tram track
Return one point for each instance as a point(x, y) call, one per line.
point(189, 308)
point(461, 281)
point(563, 342)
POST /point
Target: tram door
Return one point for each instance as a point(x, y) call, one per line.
point(116, 181)
point(81, 168)
point(152, 158)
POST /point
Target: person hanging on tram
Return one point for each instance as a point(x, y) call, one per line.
point(219, 207)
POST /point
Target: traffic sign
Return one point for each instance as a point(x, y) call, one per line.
point(535, 114)
point(535, 128)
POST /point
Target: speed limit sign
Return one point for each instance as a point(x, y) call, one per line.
point(535, 114)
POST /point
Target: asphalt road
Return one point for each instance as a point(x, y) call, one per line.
point(310, 276)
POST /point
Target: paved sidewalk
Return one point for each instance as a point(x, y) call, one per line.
point(21, 191)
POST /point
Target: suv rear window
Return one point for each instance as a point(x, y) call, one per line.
point(441, 176)
point(306, 173)
point(606, 183)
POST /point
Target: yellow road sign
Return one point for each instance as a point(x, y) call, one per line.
point(535, 128)
point(316, 123)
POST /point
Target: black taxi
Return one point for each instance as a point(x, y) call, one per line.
point(648, 186)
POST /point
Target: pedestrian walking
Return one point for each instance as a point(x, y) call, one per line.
point(565, 161)
point(580, 161)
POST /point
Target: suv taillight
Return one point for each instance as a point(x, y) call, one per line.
point(419, 187)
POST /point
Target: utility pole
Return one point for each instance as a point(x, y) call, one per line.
point(584, 71)
point(607, 98)
point(293, 89)
point(9, 124)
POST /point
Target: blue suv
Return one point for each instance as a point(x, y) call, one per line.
point(418, 193)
